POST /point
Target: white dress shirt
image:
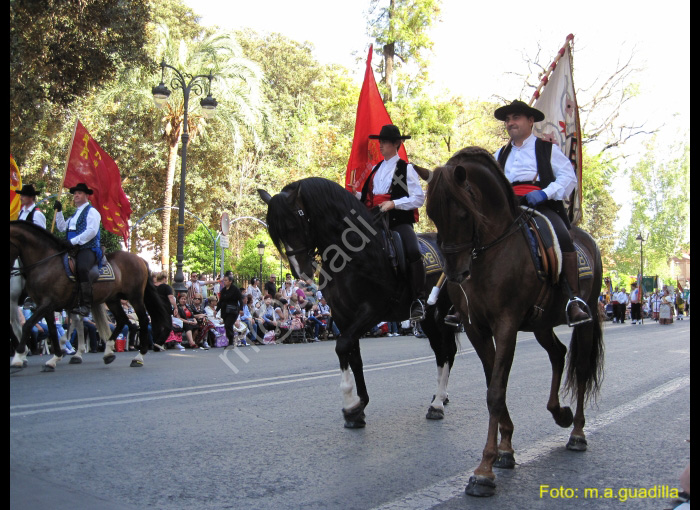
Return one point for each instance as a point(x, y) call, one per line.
point(91, 230)
point(39, 218)
point(383, 178)
point(521, 166)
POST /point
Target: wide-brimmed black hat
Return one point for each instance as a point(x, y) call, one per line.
point(81, 186)
point(518, 106)
point(389, 132)
point(27, 190)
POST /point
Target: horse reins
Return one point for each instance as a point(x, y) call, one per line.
point(20, 271)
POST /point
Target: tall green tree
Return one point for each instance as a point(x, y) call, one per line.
point(660, 210)
point(401, 32)
point(60, 51)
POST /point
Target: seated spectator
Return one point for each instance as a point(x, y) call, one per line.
point(254, 290)
point(324, 313)
point(247, 316)
point(287, 290)
point(216, 322)
point(313, 320)
point(200, 315)
point(190, 328)
point(240, 330)
point(40, 332)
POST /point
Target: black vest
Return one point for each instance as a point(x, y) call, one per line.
point(398, 189)
point(30, 216)
point(543, 155)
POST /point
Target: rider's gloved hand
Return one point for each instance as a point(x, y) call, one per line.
point(535, 197)
point(57, 206)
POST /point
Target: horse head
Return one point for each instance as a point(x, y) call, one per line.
point(469, 200)
point(288, 226)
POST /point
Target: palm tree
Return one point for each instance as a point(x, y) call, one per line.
point(237, 90)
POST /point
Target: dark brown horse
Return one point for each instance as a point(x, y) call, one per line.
point(41, 259)
point(491, 274)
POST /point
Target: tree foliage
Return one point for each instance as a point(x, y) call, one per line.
point(61, 51)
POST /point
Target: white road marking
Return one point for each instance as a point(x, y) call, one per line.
point(130, 398)
point(452, 487)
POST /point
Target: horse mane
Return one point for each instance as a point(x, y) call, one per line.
point(444, 186)
point(46, 236)
point(326, 205)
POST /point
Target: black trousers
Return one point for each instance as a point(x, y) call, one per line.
point(559, 226)
point(410, 241)
point(85, 260)
point(229, 321)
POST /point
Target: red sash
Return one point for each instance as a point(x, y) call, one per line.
point(523, 189)
point(373, 200)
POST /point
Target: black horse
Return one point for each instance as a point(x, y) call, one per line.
point(492, 278)
point(317, 217)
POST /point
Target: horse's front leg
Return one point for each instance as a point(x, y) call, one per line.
point(354, 402)
point(482, 483)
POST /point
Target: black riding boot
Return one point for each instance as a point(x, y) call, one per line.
point(85, 299)
point(570, 270)
point(417, 276)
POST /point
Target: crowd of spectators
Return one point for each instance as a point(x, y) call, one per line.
point(660, 306)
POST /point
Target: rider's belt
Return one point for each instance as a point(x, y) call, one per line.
point(375, 200)
point(523, 188)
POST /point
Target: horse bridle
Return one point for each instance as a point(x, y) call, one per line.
point(311, 252)
point(473, 245)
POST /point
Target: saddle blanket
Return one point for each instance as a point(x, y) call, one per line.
point(106, 271)
point(432, 258)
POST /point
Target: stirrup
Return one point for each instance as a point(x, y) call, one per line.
point(452, 318)
point(584, 307)
point(417, 312)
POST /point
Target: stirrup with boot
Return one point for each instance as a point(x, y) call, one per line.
point(576, 309)
point(417, 280)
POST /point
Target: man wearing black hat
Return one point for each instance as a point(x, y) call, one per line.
point(29, 211)
point(394, 186)
point(83, 231)
point(543, 177)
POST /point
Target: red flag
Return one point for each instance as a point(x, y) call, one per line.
point(371, 116)
point(89, 163)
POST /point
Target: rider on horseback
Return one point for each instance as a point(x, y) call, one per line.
point(83, 232)
point(394, 186)
point(531, 158)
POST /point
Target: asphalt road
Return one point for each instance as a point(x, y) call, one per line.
point(212, 430)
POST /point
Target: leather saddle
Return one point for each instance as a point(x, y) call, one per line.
point(546, 252)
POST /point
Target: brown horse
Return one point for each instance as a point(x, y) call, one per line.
point(41, 259)
point(491, 274)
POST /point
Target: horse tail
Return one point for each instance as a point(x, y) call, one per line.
point(161, 323)
point(585, 359)
point(100, 317)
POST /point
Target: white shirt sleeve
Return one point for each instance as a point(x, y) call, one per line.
point(60, 222)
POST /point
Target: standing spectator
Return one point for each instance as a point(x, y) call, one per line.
point(621, 298)
point(271, 285)
point(655, 302)
point(636, 302)
point(230, 304)
point(167, 295)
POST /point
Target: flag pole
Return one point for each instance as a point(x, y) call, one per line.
point(65, 170)
point(549, 70)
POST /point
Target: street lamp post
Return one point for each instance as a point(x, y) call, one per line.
point(208, 104)
point(261, 252)
point(640, 287)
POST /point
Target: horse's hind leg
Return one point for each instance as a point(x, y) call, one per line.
point(557, 357)
point(444, 345)
point(50, 365)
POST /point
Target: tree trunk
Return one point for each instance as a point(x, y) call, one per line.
point(388, 70)
point(167, 203)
